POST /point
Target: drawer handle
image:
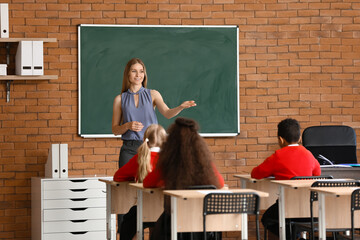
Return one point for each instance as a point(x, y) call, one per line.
point(78, 221)
point(78, 233)
point(78, 199)
point(79, 209)
point(78, 180)
point(78, 190)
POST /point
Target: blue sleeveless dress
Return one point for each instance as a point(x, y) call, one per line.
point(144, 113)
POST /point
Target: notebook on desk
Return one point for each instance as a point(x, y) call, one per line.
point(337, 166)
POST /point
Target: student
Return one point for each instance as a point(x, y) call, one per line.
point(136, 169)
point(289, 161)
point(134, 109)
point(185, 161)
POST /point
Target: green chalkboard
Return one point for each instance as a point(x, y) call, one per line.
point(183, 63)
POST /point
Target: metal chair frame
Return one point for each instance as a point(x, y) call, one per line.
point(232, 203)
point(355, 205)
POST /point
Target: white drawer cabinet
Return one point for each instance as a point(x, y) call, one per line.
point(69, 208)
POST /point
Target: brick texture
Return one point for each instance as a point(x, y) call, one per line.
point(296, 59)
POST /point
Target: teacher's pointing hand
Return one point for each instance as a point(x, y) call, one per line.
point(188, 104)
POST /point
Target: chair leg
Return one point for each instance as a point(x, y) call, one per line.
point(265, 233)
point(293, 231)
point(257, 227)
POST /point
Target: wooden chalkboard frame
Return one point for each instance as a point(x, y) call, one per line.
point(81, 82)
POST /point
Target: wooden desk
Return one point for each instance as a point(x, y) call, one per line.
point(115, 204)
point(264, 185)
point(294, 201)
point(187, 213)
point(337, 208)
point(150, 206)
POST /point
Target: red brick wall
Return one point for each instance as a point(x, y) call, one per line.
point(298, 59)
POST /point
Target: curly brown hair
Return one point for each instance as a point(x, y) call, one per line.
point(185, 159)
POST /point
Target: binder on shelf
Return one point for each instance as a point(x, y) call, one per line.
point(63, 160)
point(4, 20)
point(23, 58)
point(52, 164)
point(3, 71)
point(37, 58)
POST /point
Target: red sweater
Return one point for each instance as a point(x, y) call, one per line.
point(154, 179)
point(128, 172)
point(288, 162)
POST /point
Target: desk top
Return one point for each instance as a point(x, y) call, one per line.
point(249, 178)
point(113, 183)
point(303, 183)
point(140, 186)
point(295, 183)
point(336, 191)
point(201, 193)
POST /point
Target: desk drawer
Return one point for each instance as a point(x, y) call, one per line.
point(74, 193)
point(76, 236)
point(75, 226)
point(74, 214)
point(73, 184)
point(74, 203)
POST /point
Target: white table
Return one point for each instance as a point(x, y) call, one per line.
point(187, 210)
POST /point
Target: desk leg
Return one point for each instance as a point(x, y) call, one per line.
point(322, 225)
point(243, 183)
point(108, 211)
point(139, 217)
point(282, 226)
point(244, 227)
point(173, 218)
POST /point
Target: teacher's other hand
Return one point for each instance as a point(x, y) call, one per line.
point(188, 104)
point(135, 126)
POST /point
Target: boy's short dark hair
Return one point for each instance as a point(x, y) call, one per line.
point(289, 129)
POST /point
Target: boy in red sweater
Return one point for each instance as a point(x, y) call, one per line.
point(289, 161)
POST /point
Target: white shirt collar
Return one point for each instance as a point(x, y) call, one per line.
point(293, 145)
point(155, 149)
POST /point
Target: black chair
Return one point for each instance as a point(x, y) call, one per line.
point(355, 205)
point(335, 143)
point(312, 228)
point(232, 203)
point(312, 177)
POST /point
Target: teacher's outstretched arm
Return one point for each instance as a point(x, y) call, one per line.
point(165, 110)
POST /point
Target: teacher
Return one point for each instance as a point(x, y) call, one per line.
point(134, 109)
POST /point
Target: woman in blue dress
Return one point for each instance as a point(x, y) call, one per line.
point(134, 109)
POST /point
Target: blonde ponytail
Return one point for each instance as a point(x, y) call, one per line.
point(144, 156)
point(154, 136)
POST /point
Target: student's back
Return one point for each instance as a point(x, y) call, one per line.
point(291, 160)
point(288, 162)
point(185, 160)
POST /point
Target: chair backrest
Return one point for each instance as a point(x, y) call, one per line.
point(332, 183)
point(355, 205)
point(355, 200)
point(231, 203)
point(225, 203)
point(312, 177)
point(336, 143)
